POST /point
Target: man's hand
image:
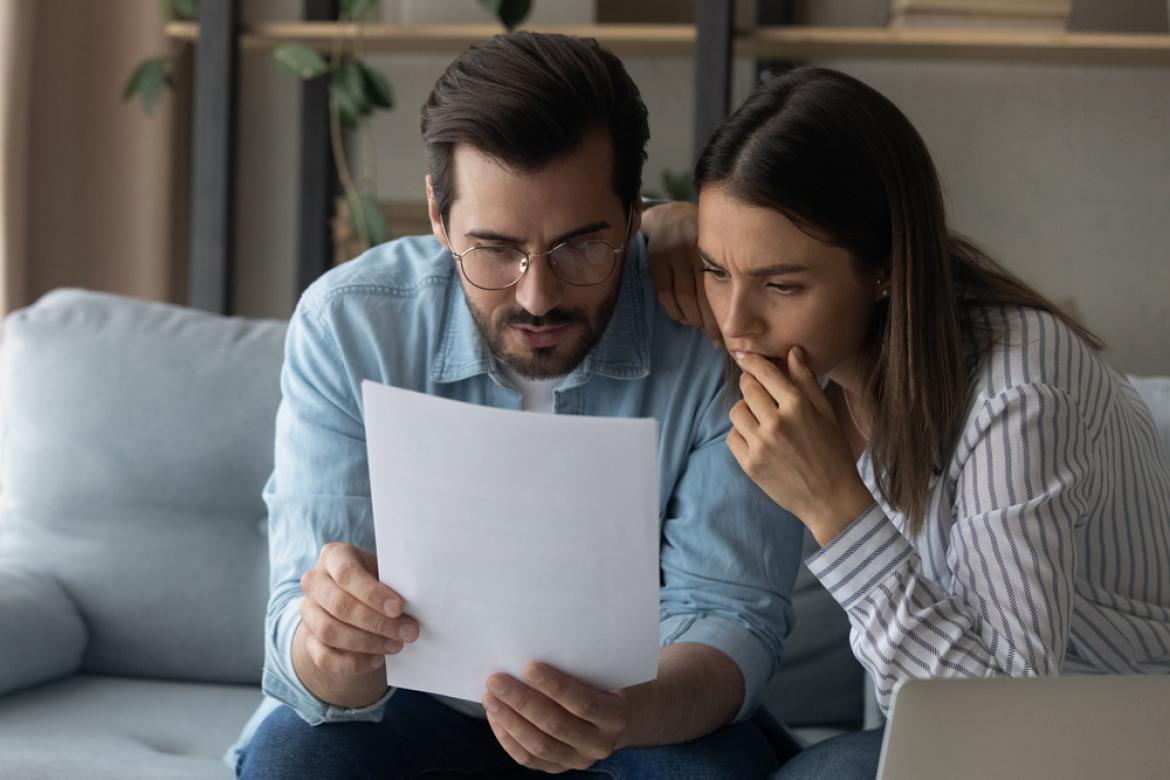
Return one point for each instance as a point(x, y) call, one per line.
point(349, 622)
point(553, 723)
point(673, 258)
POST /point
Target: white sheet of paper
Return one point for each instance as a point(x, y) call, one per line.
point(515, 537)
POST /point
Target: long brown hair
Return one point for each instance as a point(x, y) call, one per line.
point(842, 162)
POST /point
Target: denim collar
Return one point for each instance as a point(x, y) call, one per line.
point(622, 353)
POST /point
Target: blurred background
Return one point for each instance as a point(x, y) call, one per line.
point(1058, 164)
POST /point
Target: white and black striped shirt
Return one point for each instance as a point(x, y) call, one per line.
point(1046, 547)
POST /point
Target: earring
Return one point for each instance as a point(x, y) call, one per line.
point(886, 293)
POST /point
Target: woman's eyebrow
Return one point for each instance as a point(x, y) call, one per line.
point(776, 269)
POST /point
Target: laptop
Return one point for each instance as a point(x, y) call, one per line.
point(1066, 728)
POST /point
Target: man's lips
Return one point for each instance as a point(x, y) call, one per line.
point(544, 336)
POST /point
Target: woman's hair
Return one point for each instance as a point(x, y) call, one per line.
point(527, 99)
point(846, 166)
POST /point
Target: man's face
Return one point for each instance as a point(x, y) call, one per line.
point(541, 327)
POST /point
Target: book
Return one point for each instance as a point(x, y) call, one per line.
point(1017, 15)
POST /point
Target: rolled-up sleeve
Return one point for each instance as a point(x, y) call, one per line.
point(319, 492)
point(729, 558)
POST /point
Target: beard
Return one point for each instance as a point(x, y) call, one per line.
point(587, 328)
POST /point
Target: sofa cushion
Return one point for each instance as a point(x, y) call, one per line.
point(106, 727)
point(1155, 391)
point(43, 636)
point(138, 439)
point(820, 683)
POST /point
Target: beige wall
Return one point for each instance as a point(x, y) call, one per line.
point(99, 172)
point(1063, 172)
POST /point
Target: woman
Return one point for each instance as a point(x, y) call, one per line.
point(990, 496)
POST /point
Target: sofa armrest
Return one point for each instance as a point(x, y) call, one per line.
point(42, 635)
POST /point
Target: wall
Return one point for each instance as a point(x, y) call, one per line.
point(1062, 172)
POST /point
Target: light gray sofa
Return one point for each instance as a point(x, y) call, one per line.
point(133, 560)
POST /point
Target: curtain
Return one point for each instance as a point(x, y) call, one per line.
point(92, 190)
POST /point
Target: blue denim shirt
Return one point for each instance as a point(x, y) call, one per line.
point(398, 315)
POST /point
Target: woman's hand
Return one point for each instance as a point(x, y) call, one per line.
point(786, 438)
point(671, 229)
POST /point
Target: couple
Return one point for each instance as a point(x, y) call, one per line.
point(988, 495)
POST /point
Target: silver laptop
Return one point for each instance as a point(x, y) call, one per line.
point(1066, 728)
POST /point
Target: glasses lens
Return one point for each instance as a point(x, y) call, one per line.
point(583, 262)
point(492, 267)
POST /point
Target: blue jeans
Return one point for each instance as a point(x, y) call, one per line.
point(851, 756)
point(421, 737)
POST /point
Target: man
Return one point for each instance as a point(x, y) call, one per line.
point(533, 293)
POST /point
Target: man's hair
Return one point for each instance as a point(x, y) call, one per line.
point(528, 99)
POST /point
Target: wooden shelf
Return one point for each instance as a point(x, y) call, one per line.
point(802, 43)
point(658, 39)
point(793, 43)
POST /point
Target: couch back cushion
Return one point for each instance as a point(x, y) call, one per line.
point(138, 439)
point(1155, 391)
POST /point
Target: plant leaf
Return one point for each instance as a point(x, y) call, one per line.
point(677, 185)
point(376, 231)
point(350, 77)
point(377, 88)
point(510, 12)
point(300, 60)
point(353, 10)
point(148, 80)
point(188, 9)
point(347, 110)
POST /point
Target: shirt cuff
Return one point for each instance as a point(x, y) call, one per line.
point(863, 555)
point(282, 683)
point(755, 663)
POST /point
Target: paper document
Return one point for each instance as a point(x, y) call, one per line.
point(515, 537)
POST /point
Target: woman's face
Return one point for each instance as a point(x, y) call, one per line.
point(773, 287)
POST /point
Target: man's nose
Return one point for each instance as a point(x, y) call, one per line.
point(540, 290)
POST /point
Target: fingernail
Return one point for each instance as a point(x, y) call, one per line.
point(390, 646)
point(495, 685)
point(490, 703)
point(392, 607)
point(799, 353)
point(408, 632)
point(378, 661)
point(738, 355)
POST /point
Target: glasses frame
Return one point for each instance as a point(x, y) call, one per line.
point(526, 257)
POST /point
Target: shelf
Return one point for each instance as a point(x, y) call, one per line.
point(803, 43)
point(646, 39)
point(793, 43)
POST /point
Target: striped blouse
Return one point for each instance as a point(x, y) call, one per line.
point(1046, 547)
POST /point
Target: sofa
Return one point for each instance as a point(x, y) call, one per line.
point(136, 438)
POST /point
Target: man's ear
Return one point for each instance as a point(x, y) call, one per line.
point(636, 218)
point(433, 214)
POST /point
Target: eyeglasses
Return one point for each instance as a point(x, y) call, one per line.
point(579, 263)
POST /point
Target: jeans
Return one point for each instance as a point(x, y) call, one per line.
point(421, 737)
point(851, 756)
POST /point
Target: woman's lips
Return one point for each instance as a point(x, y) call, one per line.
point(779, 362)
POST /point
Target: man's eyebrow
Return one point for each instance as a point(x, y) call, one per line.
point(776, 269)
point(584, 230)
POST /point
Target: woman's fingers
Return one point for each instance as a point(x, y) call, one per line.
point(758, 400)
point(806, 380)
point(772, 378)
